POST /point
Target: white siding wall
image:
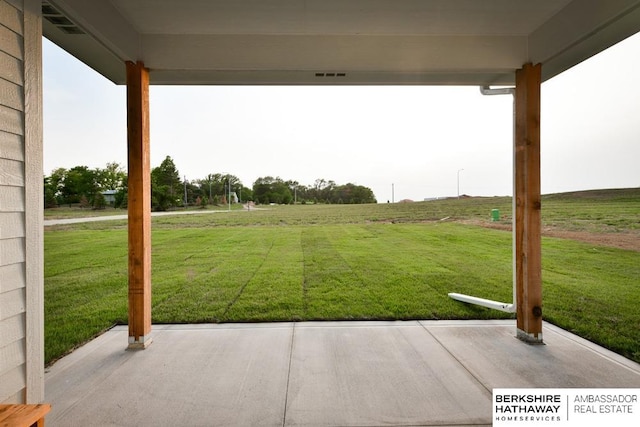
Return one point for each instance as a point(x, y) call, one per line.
point(21, 247)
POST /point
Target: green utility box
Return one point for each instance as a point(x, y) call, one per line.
point(495, 214)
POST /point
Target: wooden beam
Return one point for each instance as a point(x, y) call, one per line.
point(528, 242)
point(139, 205)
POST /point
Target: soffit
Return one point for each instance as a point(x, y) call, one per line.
point(338, 41)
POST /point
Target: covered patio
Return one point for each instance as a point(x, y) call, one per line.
point(286, 374)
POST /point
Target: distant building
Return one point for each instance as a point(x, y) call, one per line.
point(110, 197)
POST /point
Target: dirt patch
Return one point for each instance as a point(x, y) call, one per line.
point(623, 240)
point(629, 241)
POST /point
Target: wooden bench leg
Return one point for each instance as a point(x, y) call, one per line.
point(24, 415)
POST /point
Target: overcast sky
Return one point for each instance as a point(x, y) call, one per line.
point(417, 139)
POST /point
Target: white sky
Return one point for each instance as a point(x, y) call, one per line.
point(414, 137)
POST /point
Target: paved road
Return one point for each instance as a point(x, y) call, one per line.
point(48, 222)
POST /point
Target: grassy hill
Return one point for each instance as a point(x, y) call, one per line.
point(612, 210)
point(598, 211)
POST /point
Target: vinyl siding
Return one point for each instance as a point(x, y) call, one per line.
point(13, 258)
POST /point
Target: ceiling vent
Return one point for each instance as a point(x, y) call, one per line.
point(331, 74)
point(60, 21)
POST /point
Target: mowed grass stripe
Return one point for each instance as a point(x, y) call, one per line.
point(333, 289)
point(397, 269)
point(274, 292)
point(198, 273)
point(415, 266)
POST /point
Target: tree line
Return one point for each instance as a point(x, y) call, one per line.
point(97, 188)
point(277, 190)
point(85, 187)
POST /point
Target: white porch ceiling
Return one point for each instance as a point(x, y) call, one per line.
point(310, 42)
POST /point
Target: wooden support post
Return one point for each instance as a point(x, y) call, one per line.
point(139, 205)
point(528, 242)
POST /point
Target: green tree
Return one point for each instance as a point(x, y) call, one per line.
point(50, 200)
point(231, 184)
point(215, 187)
point(353, 194)
point(70, 186)
point(166, 186)
point(112, 177)
point(122, 198)
point(84, 202)
point(246, 194)
point(210, 186)
point(193, 192)
point(79, 181)
point(322, 190)
point(55, 182)
point(330, 192)
point(294, 187)
point(99, 201)
point(272, 190)
point(262, 188)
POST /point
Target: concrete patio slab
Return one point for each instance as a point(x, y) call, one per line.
point(188, 376)
point(318, 374)
point(565, 361)
point(379, 374)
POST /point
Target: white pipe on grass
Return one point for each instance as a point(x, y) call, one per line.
point(496, 305)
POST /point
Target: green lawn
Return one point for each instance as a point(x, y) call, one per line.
point(334, 262)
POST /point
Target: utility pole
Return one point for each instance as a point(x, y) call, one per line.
point(459, 170)
point(185, 191)
point(393, 193)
